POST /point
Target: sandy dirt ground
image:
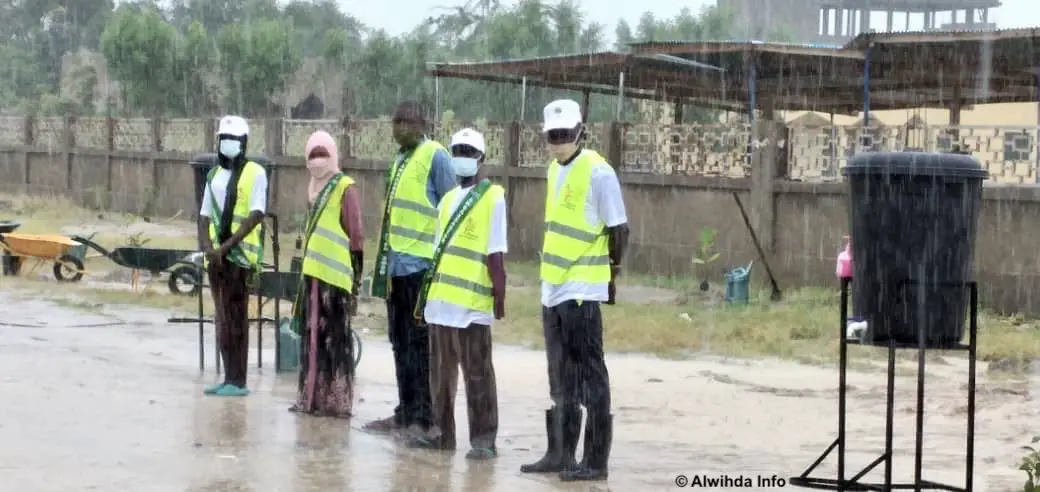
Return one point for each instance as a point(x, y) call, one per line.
point(112, 401)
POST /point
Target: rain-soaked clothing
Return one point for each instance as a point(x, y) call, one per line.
point(411, 346)
point(470, 347)
point(229, 286)
point(574, 349)
point(326, 382)
point(326, 346)
point(571, 317)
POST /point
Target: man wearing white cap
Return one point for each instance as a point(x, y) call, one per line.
point(461, 295)
point(586, 231)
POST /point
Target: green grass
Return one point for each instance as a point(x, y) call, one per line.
point(802, 327)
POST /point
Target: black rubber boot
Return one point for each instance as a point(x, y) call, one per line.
point(599, 434)
point(562, 427)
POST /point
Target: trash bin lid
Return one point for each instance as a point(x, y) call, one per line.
point(915, 164)
point(209, 159)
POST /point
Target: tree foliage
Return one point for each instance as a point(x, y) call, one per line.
point(198, 57)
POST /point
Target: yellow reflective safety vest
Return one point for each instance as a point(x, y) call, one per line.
point(413, 219)
point(327, 254)
point(252, 242)
point(573, 250)
point(462, 277)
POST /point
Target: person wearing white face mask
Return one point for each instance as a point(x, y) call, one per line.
point(231, 236)
point(462, 294)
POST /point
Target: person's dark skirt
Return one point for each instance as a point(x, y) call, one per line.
point(326, 385)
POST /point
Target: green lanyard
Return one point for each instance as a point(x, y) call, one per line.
point(312, 222)
point(380, 279)
point(470, 201)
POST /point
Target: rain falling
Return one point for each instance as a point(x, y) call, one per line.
point(254, 245)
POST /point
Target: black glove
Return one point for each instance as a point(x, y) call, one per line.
point(357, 259)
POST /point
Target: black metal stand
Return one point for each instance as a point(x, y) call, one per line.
point(855, 483)
point(260, 320)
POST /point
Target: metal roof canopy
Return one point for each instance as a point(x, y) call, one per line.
point(933, 68)
point(653, 76)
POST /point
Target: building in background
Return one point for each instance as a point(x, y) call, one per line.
point(837, 21)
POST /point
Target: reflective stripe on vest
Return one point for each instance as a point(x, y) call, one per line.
point(250, 245)
point(573, 250)
point(327, 257)
point(413, 219)
point(462, 277)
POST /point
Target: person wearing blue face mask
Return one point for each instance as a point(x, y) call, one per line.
point(463, 293)
point(230, 234)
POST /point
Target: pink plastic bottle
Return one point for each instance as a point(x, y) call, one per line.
point(843, 269)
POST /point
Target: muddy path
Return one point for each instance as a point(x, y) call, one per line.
point(111, 401)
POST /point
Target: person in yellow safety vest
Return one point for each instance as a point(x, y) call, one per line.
point(464, 293)
point(586, 231)
point(418, 177)
point(332, 261)
point(231, 236)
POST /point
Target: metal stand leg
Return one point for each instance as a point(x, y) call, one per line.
point(202, 330)
point(260, 331)
point(919, 483)
point(201, 321)
point(276, 251)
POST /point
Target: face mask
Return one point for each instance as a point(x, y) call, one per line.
point(465, 167)
point(230, 148)
point(320, 167)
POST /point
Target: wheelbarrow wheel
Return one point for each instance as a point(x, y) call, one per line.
point(63, 269)
point(185, 280)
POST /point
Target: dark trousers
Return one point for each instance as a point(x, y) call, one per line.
point(411, 346)
point(228, 285)
point(470, 347)
point(574, 347)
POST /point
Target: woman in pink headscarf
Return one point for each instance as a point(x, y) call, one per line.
point(332, 260)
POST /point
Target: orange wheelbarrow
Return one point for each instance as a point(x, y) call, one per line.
point(64, 252)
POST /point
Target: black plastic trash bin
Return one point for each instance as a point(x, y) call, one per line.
point(913, 218)
point(202, 163)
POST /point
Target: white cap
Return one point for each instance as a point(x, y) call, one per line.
point(468, 136)
point(561, 114)
point(235, 126)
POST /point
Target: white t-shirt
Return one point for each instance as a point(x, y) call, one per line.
point(443, 313)
point(604, 206)
point(219, 185)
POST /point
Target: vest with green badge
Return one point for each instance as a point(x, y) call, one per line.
point(413, 219)
point(327, 253)
point(573, 250)
point(249, 252)
point(462, 276)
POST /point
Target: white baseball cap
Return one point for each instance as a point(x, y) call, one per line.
point(468, 136)
point(561, 114)
point(235, 126)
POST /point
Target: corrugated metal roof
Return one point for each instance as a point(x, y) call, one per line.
point(910, 77)
point(716, 48)
point(752, 42)
point(863, 40)
point(598, 55)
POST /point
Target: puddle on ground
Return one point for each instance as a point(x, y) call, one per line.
point(118, 407)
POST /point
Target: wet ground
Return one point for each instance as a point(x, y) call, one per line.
point(112, 401)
